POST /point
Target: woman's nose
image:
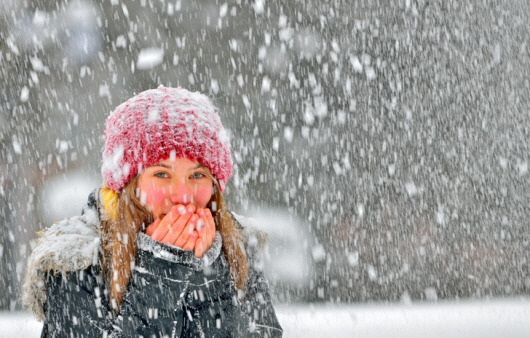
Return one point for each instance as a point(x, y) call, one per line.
point(180, 193)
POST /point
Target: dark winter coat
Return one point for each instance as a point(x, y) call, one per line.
point(170, 293)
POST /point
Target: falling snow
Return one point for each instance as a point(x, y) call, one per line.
point(149, 58)
point(390, 141)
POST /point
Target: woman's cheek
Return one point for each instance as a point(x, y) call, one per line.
point(155, 198)
point(202, 196)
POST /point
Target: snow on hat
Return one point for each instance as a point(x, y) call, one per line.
point(161, 123)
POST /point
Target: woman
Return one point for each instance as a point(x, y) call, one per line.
point(155, 251)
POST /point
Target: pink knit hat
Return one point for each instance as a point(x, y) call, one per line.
point(161, 123)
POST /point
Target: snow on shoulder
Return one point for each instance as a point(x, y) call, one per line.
point(70, 245)
point(255, 238)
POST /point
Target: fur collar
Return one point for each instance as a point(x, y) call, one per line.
point(255, 239)
point(70, 245)
point(74, 244)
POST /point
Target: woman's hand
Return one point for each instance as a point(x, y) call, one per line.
point(177, 228)
point(206, 231)
point(185, 227)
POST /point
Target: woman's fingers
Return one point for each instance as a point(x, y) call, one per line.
point(163, 227)
point(206, 232)
point(179, 226)
point(210, 227)
point(172, 224)
point(152, 227)
point(190, 244)
point(188, 229)
point(199, 248)
point(208, 235)
point(185, 227)
point(200, 244)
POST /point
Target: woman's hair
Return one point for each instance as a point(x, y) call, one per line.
point(126, 216)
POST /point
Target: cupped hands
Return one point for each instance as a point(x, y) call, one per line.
point(186, 227)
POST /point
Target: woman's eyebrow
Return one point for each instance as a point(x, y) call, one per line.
point(162, 165)
point(198, 166)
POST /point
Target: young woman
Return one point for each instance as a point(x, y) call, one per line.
point(155, 252)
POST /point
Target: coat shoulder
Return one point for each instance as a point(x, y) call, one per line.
point(70, 245)
point(254, 238)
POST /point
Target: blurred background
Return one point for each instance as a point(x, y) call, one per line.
point(384, 145)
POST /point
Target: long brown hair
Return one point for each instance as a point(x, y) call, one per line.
point(125, 216)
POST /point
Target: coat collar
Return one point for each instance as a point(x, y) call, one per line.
point(70, 245)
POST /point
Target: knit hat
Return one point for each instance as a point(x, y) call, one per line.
point(164, 123)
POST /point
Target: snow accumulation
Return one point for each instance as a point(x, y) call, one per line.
point(494, 318)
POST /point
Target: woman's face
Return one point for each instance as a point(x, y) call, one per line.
point(171, 182)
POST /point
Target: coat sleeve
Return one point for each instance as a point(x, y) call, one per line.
point(257, 302)
point(213, 308)
point(211, 305)
point(76, 305)
point(257, 305)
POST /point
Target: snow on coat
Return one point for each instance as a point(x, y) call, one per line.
point(170, 293)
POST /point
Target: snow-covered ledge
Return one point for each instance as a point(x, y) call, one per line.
point(480, 318)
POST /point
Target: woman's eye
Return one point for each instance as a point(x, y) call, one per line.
point(161, 175)
point(197, 175)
